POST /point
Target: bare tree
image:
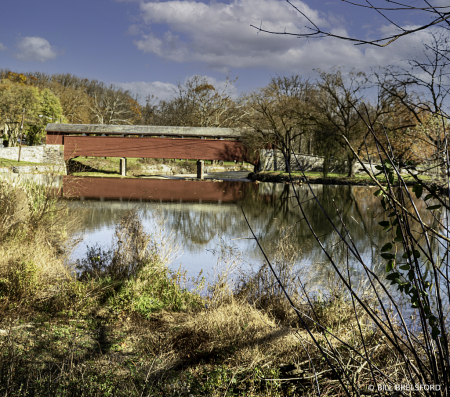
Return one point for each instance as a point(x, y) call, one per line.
point(389, 10)
point(423, 89)
point(336, 110)
point(149, 110)
point(277, 115)
point(112, 106)
point(197, 103)
point(415, 258)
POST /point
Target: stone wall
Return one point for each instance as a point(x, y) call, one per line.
point(53, 155)
point(48, 154)
point(273, 160)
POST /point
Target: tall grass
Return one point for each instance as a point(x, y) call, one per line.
point(123, 323)
point(33, 229)
point(415, 356)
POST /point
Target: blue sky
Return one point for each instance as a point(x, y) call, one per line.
point(147, 46)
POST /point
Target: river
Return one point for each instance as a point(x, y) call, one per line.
point(206, 217)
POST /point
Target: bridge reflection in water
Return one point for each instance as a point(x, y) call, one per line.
point(162, 190)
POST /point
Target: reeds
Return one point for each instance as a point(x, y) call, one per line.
point(382, 351)
point(126, 324)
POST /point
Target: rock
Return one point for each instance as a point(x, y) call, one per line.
point(157, 169)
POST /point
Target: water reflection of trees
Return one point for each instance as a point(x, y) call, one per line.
point(270, 209)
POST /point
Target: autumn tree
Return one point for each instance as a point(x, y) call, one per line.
point(75, 103)
point(422, 88)
point(18, 78)
point(277, 114)
point(111, 105)
point(395, 129)
point(197, 103)
point(87, 101)
point(341, 109)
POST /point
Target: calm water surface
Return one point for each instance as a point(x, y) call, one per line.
point(205, 215)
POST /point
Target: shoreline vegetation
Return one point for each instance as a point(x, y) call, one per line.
point(100, 167)
point(109, 167)
point(316, 178)
point(119, 322)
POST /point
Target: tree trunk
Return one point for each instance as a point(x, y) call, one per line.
point(350, 162)
point(441, 160)
point(326, 166)
point(288, 161)
point(13, 139)
point(287, 154)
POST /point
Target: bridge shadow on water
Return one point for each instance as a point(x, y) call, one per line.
point(162, 190)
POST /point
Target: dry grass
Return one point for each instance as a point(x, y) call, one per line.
point(129, 326)
point(133, 249)
point(32, 260)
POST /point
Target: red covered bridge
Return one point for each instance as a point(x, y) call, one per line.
point(142, 141)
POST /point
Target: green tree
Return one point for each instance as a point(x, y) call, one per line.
point(15, 97)
point(41, 106)
point(49, 109)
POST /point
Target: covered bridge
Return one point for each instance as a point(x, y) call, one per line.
point(144, 141)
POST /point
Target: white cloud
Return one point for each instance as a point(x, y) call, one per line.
point(398, 52)
point(218, 34)
point(166, 91)
point(162, 91)
point(2, 47)
point(35, 49)
point(440, 3)
point(134, 30)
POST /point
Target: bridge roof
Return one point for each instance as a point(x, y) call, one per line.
point(144, 130)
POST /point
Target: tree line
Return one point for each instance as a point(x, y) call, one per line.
point(319, 116)
point(60, 98)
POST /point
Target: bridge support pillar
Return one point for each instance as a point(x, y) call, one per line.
point(200, 169)
point(123, 166)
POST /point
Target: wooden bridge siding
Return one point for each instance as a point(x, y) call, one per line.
point(54, 138)
point(153, 189)
point(193, 149)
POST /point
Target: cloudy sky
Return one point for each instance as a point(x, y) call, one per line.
point(147, 46)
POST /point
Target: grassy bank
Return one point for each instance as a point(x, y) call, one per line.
point(317, 178)
point(14, 163)
point(120, 323)
point(109, 167)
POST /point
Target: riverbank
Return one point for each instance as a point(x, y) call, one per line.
point(316, 178)
point(137, 167)
point(120, 323)
point(8, 166)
